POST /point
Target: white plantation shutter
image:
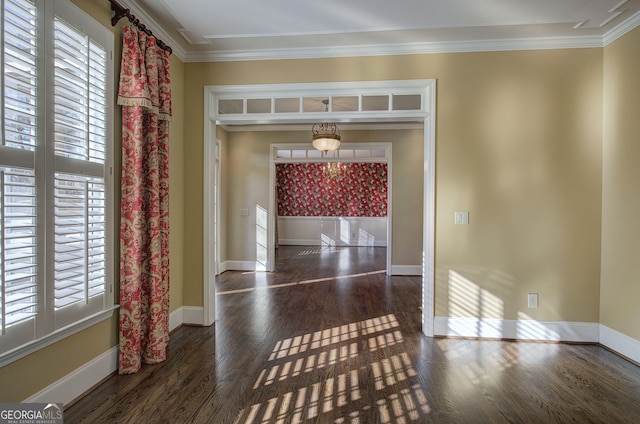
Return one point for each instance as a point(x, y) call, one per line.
point(55, 172)
point(18, 259)
point(80, 242)
point(20, 266)
point(80, 100)
point(20, 70)
point(80, 96)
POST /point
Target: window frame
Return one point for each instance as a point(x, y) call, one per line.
point(51, 325)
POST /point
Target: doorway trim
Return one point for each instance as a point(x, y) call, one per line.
point(258, 105)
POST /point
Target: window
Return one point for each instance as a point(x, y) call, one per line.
point(397, 100)
point(56, 234)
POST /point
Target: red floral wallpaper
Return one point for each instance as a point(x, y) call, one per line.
point(307, 189)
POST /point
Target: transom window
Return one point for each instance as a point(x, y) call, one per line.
point(369, 152)
point(383, 102)
point(357, 100)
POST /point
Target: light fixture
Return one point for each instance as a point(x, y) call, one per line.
point(333, 170)
point(326, 135)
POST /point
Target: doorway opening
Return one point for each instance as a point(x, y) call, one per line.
point(363, 102)
point(332, 199)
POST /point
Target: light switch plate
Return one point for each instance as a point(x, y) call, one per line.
point(532, 300)
point(462, 218)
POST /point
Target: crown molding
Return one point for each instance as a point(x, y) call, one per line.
point(620, 30)
point(399, 49)
point(157, 30)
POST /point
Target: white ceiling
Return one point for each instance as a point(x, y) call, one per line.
point(218, 30)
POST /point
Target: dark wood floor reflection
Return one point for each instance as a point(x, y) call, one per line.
point(329, 338)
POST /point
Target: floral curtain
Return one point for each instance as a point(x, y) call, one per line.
point(145, 96)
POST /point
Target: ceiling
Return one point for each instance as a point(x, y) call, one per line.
point(222, 30)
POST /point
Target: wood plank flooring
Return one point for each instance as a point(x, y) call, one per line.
point(329, 338)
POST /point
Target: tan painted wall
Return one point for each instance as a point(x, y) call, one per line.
point(177, 214)
point(223, 186)
point(193, 193)
point(518, 145)
point(247, 179)
point(34, 372)
point(620, 288)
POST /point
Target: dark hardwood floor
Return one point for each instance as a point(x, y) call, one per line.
point(329, 338)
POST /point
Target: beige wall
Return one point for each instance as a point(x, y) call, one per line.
point(223, 187)
point(193, 191)
point(34, 372)
point(177, 213)
point(518, 145)
point(620, 287)
point(247, 180)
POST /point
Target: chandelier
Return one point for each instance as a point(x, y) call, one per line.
point(333, 170)
point(326, 135)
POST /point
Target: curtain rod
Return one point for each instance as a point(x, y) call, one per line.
point(120, 12)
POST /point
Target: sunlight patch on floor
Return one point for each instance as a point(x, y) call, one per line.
point(296, 283)
point(392, 398)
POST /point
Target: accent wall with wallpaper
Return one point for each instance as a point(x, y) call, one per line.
point(332, 203)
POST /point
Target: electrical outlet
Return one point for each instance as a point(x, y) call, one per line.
point(532, 300)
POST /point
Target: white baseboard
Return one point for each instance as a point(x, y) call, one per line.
point(242, 266)
point(222, 267)
point(193, 315)
point(586, 332)
point(176, 319)
point(406, 270)
point(78, 381)
point(619, 342)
